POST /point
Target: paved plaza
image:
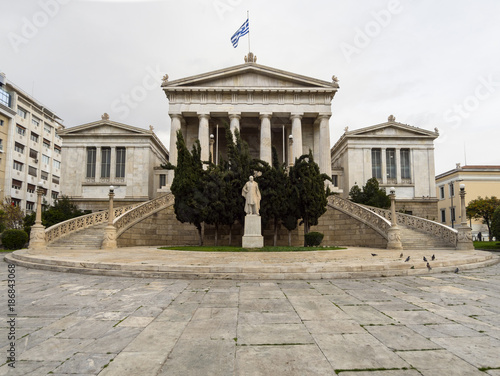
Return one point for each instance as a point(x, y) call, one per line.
point(75, 324)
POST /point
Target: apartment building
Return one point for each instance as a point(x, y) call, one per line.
point(30, 148)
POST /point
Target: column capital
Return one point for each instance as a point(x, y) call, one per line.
point(296, 116)
point(235, 115)
point(265, 115)
point(175, 116)
point(203, 116)
point(324, 116)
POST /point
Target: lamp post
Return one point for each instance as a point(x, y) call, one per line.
point(464, 236)
point(109, 241)
point(37, 234)
point(290, 146)
point(212, 141)
point(393, 233)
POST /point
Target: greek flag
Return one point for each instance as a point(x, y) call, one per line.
point(243, 30)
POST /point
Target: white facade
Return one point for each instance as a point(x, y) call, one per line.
point(398, 155)
point(105, 153)
point(32, 150)
point(268, 106)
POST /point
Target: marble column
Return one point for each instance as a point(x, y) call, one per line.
point(265, 138)
point(175, 125)
point(324, 162)
point(234, 123)
point(297, 135)
point(204, 136)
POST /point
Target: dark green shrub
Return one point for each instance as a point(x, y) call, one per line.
point(495, 224)
point(313, 239)
point(14, 239)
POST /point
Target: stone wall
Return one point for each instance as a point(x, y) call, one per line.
point(163, 228)
point(424, 209)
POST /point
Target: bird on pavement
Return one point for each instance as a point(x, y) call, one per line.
point(407, 259)
point(428, 267)
point(374, 254)
point(425, 259)
point(401, 255)
point(433, 257)
point(456, 270)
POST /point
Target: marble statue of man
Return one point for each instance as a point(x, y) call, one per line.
point(252, 197)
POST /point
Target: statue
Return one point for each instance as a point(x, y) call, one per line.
point(252, 197)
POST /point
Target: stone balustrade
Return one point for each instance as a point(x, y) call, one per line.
point(439, 230)
point(79, 223)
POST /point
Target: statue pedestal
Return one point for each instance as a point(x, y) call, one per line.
point(252, 237)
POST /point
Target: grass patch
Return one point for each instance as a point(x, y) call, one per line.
point(240, 249)
point(487, 245)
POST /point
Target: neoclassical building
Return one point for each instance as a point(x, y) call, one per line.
point(398, 155)
point(268, 106)
point(104, 153)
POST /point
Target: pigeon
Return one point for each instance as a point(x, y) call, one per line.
point(374, 254)
point(433, 257)
point(425, 259)
point(401, 255)
point(429, 267)
point(412, 267)
point(456, 270)
point(407, 259)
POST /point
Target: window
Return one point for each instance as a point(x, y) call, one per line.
point(405, 164)
point(44, 175)
point(30, 205)
point(1, 144)
point(17, 184)
point(19, 147)
point(452, 189)
point(335, 180)
point(55, 179)
point(443, 216)
point(46, 143)
point(54, 195)
point(47, 128)
point(377, 163)
point(56, 164)
point(91, 154)
point(21, 112)
point(4, 97)
point(163, 180)
point(31, 188)
point(32, 171)
point(16, 201)
point(1, 122)
point(390, 155)
point(441, 192)
point(35, 121)
point(18, 166)
point(33, 154)
point(105, 162)
point(57, 149)
point(120, 162)
point(20, 130)
point(34, 137)
point(45, 159)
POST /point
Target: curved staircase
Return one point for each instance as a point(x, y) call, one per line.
point(88, 238)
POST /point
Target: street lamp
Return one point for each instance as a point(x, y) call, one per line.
point(290, 142)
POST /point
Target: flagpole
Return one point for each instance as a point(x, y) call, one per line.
point(248, 18)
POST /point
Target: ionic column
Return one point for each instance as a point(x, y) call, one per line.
point(325, 163)
point(384, 165)
point(297, 135)
point(175, 125)
point(112, 164)
point(98, 161)
point(265, 138)
point(398, 165)
point(234, 123)
point(204, 136)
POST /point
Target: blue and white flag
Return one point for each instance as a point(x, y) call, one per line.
point(243, 30)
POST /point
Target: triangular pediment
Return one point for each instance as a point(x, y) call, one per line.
point(250, 75)
point(104, 127)
point(392, 129)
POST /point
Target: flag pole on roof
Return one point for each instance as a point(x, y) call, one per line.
point(243, 30)
point(248, 20)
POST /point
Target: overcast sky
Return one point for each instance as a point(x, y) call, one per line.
point(432, 64)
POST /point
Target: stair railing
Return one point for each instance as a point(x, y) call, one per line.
point(61, 229)
point(448, 234)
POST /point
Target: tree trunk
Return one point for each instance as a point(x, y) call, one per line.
point(200, 235)
point(230, 234)
point(216, 234)
point(289, 238)
point(275, 239)
point(306, 231)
